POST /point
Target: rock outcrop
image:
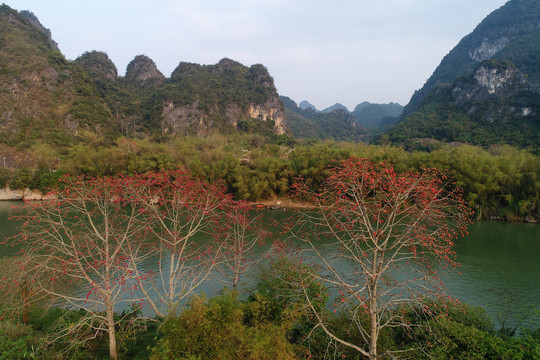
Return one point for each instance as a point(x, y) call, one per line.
point(272, 110)
point(49, 98)
point(203, 98)
point(22, 194)
point(143, 69)
point(493, 92)
point(98, 65)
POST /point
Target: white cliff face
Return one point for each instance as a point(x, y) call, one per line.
point(488, 48)
point(190, 120)
point(493, 78)
point(184, 120)
point(491, 91)
point(526, 111)
point(490, 81)
point(272, 110)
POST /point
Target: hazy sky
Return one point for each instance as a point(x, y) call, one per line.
point(345, 51)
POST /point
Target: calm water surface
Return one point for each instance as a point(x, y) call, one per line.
point(500, 263)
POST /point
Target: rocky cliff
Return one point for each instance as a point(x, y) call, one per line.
point(143, 69)
point(492, 80)
point(202, 98)
point(487, 89)
point(495, 104)
point(501, 30)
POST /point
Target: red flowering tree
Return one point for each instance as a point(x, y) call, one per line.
point(242, 246)
point(391, 232)
point(182, 212)
point(83, 239)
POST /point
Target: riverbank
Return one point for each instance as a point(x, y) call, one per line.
point(290, 204)
point(7, 194)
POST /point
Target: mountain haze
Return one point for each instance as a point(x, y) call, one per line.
point(375, 115)
point(307, 122)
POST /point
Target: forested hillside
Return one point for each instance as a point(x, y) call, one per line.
point(139, 194)
point(505, 34)
point(47, 98)
point(44, 97)
point(486, 90)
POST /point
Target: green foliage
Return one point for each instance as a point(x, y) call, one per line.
point(525, 53)
point(500, 181)
point(458, 331)
point(272, 323)
point(454, 340)
point(57, 59)
point(135, 335)
point(5, 175)
point(17, 341)
point(278, 286)
point(41, 179)
point(441, 120)
point(52, 98)
point(217, 330)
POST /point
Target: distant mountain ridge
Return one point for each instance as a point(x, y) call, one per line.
point(365, 114)
point(308, 122)
point(336, 106)
point(376, 115)
point(304, 104)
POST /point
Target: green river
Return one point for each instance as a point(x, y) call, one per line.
point(500, 266)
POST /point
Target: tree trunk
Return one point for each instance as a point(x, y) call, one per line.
point(25, 293)
point(236, 280)
point(112, 334)
point(374, 331)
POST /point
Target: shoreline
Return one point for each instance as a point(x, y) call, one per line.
point(7, 194)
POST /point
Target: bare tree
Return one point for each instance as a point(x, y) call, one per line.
point(388, 230)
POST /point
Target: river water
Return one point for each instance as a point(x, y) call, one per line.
point(500, 266)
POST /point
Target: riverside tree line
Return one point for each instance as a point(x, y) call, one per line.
point(499, 181)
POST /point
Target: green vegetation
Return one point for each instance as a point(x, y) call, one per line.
point(228, 326)
point(499, 182)
point(79, 118)
point(441, 119)
point(285, 316)
point(44, 96)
